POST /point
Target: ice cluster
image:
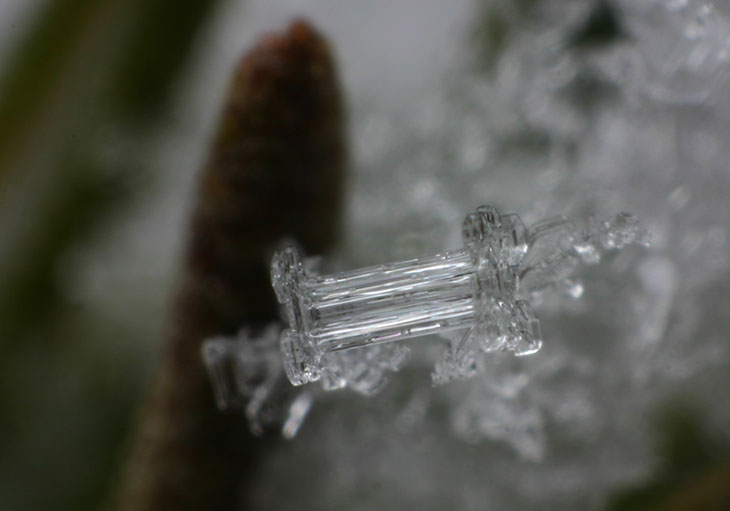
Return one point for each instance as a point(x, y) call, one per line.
point(345, 329)
point(246, 374)
point(340, 325)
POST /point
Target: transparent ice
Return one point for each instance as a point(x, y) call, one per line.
point(342, 327)
point(348, 327)
point(246, 375)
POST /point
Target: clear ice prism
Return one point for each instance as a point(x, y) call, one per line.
point(480, 289)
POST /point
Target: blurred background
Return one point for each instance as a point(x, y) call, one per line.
point(540, 107)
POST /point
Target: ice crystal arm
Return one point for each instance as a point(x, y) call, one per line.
point(245, 374)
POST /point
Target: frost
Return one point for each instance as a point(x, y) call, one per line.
point(246, 375)
point(343, 327)
point(346, 329)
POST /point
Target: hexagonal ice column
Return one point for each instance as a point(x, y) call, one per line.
point(473, 288)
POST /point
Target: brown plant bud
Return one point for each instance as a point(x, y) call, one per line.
point(275, 170)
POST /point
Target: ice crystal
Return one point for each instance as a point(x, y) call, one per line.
point(342, 327)
point(497, 408)
point(246, 374)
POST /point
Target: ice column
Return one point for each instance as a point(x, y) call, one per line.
point(472, 289)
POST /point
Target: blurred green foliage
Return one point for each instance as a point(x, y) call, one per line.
point(692, 472)
point(34, 72)
point(601, 28)
point(158, 46)
point(30, 290)
point(80, 98)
